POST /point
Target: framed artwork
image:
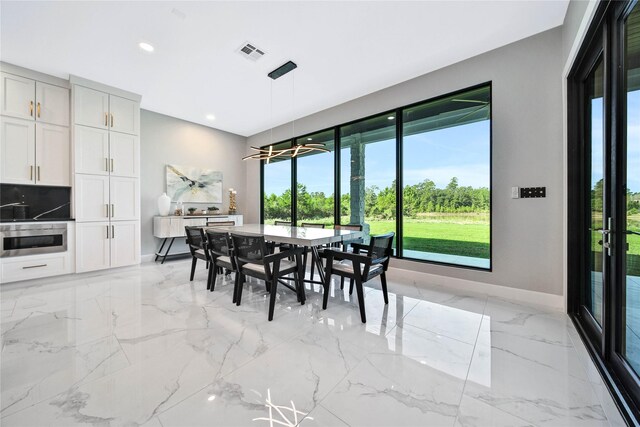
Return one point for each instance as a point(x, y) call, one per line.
point(189, 184)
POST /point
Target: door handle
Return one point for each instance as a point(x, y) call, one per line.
point(111, 165)
point(38, 173)
point(112, 120)
point(34, 266)
point(113, 231)
point(113, 210)
point(106, 164)
point(107, 232)
point(31, 108)
point(30, 172)
point(38, 109)
point(106, 118)
point(107, 208)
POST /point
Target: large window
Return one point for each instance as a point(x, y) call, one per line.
point(442, 190)
point(276, 189)
point(446, 177)
point(368, 174)
point(315, 183)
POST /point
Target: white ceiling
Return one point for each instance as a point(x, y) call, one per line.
point(344, 50)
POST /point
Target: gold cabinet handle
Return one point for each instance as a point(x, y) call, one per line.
point(30, 172)
point(107, 231)
point(31, 108)
point(38, 109)
point(38, 173)
point(112, 120)
point(113, 231)
point(106, 205)
point(111, 165)
point(106, 118)
point(113, 210)
point(106, 164)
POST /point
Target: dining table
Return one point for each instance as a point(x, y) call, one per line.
point(308, 237)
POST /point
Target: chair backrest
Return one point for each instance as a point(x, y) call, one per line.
point(351, 227)
point(221, 224)
point(218, 243)
point(380, 249)
point(249, 249)
point(194, 238)
point(282, 222)
point(311, 225)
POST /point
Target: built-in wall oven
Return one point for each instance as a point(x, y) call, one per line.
point(31, 239)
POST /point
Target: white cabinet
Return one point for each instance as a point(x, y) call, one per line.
point(28, 99)
point(124, 151)
point(17, 151)
point(92, 150)
point(92, 198)
point(17, 96)
point(173, 226)
point(91, 107)
point(124, 199)
point(125, 243)
point(104, 111)
point(52, 104)
point(93, 250)
point(53, 166)
point(107, 162)
point(124, 115)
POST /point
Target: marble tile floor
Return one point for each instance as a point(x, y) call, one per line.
point(143, 346)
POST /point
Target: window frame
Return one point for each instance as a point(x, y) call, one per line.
point(398, 112)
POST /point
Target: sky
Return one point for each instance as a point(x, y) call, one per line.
point(461, 151)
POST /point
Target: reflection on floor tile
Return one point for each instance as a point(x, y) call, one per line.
point(144, 346)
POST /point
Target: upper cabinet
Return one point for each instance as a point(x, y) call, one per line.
point(104, 111)
point(28, 99)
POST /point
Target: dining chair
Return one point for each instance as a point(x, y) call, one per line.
point(345, 246)
point(196, 247)
point(307, 250)
point(219, 247)
point(282, 246)
point(361, 267)
point(252, 259)
point(282, 222)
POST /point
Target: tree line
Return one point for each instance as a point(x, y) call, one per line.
point(423, 197)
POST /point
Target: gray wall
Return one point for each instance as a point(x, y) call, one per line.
point(527, 151)
point(571, 25)
point(164, 140)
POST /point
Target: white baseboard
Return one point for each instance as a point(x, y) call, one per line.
point(555, 302)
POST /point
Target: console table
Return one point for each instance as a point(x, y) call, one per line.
point(168, 228)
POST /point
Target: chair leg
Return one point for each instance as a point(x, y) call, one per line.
point(341, 283)
point(360, 293)
point(300, 288)
point(383, 279)
point(213, 272)
point(239, 286)
point(350, 286)
point(304, 263)
point(272, 300)
point(235, 288)
point(209, 280)
point(193, 268)
point(326, 285)
point(313, 265)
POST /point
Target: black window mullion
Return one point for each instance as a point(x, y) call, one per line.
point(294, 189)
point(337, 190)
point(399, 185)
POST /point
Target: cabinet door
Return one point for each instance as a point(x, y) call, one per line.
point(91, 107)
point(17, 151)
point(125, 115)
point(124, 151)
point(52, 104)
point(92, 246)
point(125, 243)
point(92, 198)
point(92, 150)
point(53, 156)
point(18, 96)
point(125, 199)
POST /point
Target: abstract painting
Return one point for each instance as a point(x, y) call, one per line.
point(189, 184)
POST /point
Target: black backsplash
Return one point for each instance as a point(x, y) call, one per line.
point(38, 198)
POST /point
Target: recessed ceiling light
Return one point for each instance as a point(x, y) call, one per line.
point(309, 139)
point(210, 117)
point(390, 117)
point(146, 47)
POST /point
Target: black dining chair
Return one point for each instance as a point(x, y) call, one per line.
point(361, 267)
point(196, 247)
point(345, 246)
point(282, 246)
point(253, 259)
point(219, 248)
point(307, 250)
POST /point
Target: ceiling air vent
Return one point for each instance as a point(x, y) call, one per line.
point(251, 52)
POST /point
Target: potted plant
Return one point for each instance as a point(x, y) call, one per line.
point(192, 211)
point(212, 209)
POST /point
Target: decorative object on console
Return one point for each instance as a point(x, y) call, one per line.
point(179, 211)
point(194, 185)
point(212, 209)
point(164, 204)
point(192, 211)
point(232, 201)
